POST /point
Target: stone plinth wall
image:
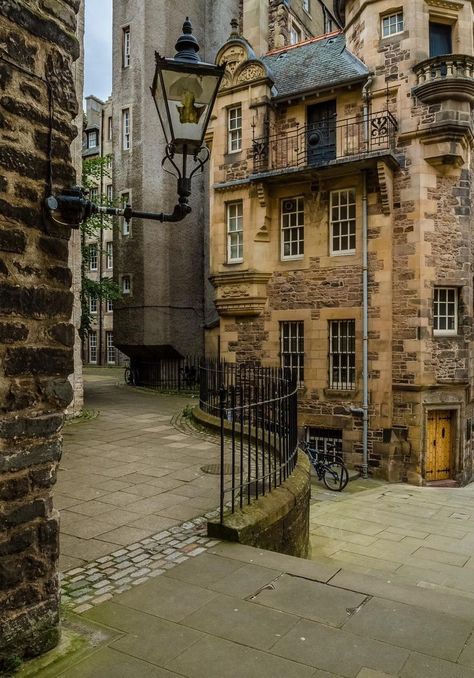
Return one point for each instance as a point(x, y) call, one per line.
point(279, 521)
point(37, 107)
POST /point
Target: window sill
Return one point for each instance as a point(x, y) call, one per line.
point(349, 253)
point(300, 257)
point(335, 393)
point(442, 335)
point(233, 262)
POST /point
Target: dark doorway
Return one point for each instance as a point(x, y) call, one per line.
point(440, 39)
point(321, 134)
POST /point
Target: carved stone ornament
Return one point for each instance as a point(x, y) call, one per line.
point(445, 4)
point(240, 293)
point(250, 72)
point(235, 291)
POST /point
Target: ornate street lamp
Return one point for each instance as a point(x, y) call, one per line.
point(184, 91)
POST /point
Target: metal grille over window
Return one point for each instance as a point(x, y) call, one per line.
point(235, 129)
point(343, 221)
point(292, 348)
point(445, 315)
point(235, 232)
point(327, 441)
point(342, 354)
point(391, 24)
point(292, 228)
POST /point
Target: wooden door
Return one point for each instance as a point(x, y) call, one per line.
point(321, 132)
point(440, 39)
point(439, 453)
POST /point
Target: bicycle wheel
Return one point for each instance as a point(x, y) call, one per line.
point(335, 476)
point(127, 375)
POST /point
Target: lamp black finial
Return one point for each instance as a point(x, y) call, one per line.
point(187, 46)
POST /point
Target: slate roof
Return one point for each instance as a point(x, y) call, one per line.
point(317, 64)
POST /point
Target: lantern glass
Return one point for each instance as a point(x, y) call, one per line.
point(184, 95)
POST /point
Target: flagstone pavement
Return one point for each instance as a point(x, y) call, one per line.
point(388, 592)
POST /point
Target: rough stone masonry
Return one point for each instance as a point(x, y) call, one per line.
point(37, 106)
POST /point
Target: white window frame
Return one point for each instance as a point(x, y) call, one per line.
point(124, 203)
point(93, 305)
point(390, 24)
point(92, 348)
point(109, 254)
point(235, 231)
point(110, 128)
point(94, 194)
point(126, 47)
point(110, 192)
point(234, 129)
point(93, 256)
point(296, 34)
point(92, 135)
point(342, 345)
point(341, 224)
point(126, 284)
point(307, 6)
point(288, 229)
point(110, 348)
point(292, 353)
point(450, 302)
point(109, 306)
point(126, 134)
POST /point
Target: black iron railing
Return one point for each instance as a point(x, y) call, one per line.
point(257, 411)
point(168, 374)
point(317, 144)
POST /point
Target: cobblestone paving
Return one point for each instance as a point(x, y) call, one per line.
point(85, 587)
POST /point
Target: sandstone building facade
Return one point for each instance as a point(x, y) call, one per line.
point(38, 106)
point(341, 229)
point(162, 269)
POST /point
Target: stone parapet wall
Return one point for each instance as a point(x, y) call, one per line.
point(37, 108)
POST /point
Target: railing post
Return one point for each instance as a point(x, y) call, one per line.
point(222, 402)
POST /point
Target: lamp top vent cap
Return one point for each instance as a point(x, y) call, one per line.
point(187, 46)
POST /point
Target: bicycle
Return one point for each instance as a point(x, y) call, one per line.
point(130, 376)
point(332, 472)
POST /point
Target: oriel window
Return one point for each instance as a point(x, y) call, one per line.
point(392, 24)
point(235, 232)
point(234, 126)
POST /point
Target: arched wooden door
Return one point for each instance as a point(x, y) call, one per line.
point(439, 445)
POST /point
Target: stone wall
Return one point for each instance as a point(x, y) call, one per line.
point(39, 45)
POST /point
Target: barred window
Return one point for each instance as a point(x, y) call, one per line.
point(392, 24)
point(342, 354)
point(292, 228)
point(109, 254)
point(445, 312)
point(93, 347)
point(343, 221)
point(292, 348)
point(235, 232)
point(110, 348)
point(325, 440)
point(234, 126)
point(93, 257)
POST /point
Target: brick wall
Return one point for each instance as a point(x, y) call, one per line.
point(36, 338)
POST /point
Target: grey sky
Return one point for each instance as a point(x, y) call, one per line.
point(98, 48)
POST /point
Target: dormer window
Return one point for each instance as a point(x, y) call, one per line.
point(92, 139)
point(392, 24)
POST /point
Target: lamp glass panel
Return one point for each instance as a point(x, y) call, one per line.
point(189, 98)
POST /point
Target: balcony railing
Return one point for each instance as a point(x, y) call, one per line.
point(320, 143)
point(445, 77)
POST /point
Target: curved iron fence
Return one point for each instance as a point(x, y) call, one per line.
point(257, 411)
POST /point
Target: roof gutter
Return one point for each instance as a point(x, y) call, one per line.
point(297, 96)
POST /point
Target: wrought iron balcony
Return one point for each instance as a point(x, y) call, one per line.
point(318, 144)
point(450, 76)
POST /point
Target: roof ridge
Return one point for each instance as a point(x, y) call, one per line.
point(303, 43)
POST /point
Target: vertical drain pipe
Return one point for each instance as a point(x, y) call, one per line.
point(365, 291)
point(365, 328)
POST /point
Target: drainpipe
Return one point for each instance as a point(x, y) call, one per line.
point(365, 293)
